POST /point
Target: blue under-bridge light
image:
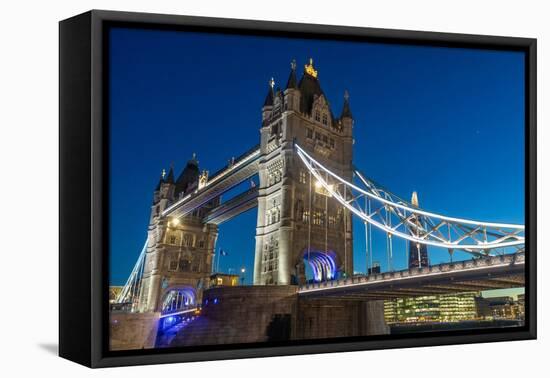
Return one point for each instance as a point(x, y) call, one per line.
point(322, 264)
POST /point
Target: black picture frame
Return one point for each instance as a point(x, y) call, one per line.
point(83, 196)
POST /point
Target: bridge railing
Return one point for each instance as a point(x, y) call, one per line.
point(239, 158)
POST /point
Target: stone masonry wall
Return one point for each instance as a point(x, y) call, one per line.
point(242, 314)
point(133, 331)
point(248, 314)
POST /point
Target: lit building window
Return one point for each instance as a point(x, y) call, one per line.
point(305, 217)
point(303, 177)
point(319, 218)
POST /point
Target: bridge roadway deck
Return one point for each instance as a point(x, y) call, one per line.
point(244, 167)
point(496, 272)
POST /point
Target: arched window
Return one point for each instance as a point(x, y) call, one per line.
point(187, 240)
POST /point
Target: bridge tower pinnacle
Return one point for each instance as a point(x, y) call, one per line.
point(299, 225)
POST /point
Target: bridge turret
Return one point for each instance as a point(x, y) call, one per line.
point(291, 92)
point(156, 194)
point(188, 180)
point(163, 194)
point(268, 102)
point(346, 118)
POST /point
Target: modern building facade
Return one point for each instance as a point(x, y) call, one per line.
point(453, 308)
point(431, 308)
point(418, 253)
point(503, 307)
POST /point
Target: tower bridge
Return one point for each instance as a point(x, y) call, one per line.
point(308, 193)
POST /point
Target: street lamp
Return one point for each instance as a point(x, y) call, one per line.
point(242, 275)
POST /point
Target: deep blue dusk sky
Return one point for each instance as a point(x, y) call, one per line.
point(448, 123)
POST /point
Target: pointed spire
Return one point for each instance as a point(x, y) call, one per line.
point(292, 83)
point(346, 111)
point(161, 180)
point(170, 178)
point(193, 159)
point(189, 177)
point(414, 199)
point(270, 94)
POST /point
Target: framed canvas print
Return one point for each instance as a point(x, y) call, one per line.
point(233, 188)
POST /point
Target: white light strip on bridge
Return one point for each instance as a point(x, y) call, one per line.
point(252, 155)
point(412, 210)
point(455, 245)
point(178, 313)
point(305, 290)
point(133, 275)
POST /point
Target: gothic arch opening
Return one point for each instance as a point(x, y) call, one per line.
point(178, 299)
point(320, 266)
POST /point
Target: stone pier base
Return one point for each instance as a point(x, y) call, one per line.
point(133, 331)
point(330, 318)
point(249, 314)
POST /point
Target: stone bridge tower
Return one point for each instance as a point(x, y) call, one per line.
point(298, 224)
point(180, 250)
